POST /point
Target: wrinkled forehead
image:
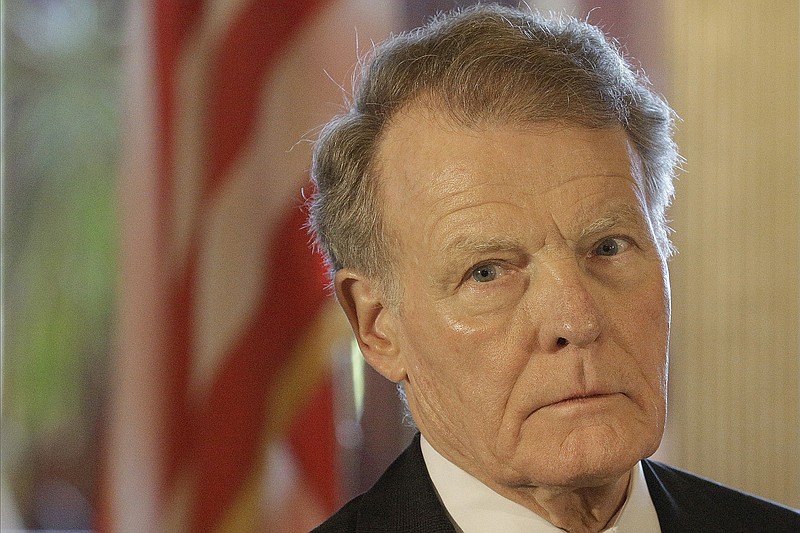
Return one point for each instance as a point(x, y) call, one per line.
point(426, 152)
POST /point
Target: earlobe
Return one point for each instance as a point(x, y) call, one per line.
point(373, 323)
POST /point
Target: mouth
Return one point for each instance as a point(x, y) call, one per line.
point(588, 399)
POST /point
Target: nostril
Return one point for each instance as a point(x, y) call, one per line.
point(561, 342)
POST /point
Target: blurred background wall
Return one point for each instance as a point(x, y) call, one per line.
point(89, 261)
point(735, 400)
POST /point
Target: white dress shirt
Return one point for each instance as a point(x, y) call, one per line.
point(475, 508)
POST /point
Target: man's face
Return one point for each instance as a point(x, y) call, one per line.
point(533, 323)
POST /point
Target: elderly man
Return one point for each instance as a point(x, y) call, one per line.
point(492, 209)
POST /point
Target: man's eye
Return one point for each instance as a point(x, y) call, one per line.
point(610, 246)
point(485, 273)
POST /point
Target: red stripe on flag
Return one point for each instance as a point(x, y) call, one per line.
point(313, 442)
point(180, 424)
point(174, 21)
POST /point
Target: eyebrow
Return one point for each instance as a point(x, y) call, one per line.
point(621, 215)
point(469, 245)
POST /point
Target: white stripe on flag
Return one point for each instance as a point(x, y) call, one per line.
point(134, 444)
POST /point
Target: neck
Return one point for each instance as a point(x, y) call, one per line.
point(582, 510)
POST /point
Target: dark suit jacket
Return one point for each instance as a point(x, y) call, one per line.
point(403, 500)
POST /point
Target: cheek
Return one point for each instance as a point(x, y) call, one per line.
point(644, 332)
point(653, 322)
point(451, 349)
point(469, 360)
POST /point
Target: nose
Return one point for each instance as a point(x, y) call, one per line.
point(564, 303)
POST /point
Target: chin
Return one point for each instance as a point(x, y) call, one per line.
point(586, 458)
point(588, 473)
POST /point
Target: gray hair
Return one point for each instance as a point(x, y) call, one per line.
point(480, 66)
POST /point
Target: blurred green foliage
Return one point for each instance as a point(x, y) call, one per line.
point(62, 99)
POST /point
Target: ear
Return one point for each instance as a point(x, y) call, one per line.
point(374, 323)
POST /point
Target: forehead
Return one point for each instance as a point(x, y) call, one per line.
point(429, 166)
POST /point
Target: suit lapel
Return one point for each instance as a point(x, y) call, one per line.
point(404, 499)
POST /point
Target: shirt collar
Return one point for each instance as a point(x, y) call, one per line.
point(473, 507)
